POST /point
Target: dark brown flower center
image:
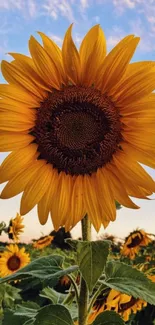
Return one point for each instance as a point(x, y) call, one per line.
point(127, 305)
point(77, 130)
point(13, 263)
point(135, 241)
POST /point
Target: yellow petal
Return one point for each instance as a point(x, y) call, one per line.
point(54, 52)
point(13, 141)
point(18, 183)
point(44, 204)
point(137, 66)
point(77, 202)
point(26, 63)
point(91, 201)
point(132, 68)
point(16, 161)
point(17, 107)
point(136, 87)
point(35, 189)
point(14, 75)
point(144, 140)
point(15, 122)
point(118, 188)
point(103, 70)
point(139, 155)
point(71, 58)
point(133, 171)
point(13, 92)
point(92, 53)
point(105, 195)
point(61, 202)
point(116, 62)
point(137, 191)
point(44, 64)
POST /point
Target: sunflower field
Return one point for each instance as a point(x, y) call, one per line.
point(40, 279)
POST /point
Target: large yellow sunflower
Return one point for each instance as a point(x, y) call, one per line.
point(134, 242)
point(15, 227)
point(43, 242)
point(78, 124)
point(13, 259)
point(124, 304)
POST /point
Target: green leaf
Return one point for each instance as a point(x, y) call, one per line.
point(29, 322)
point(23, 314)
point(92, 258)
point(9, 318)
point(53, 315)
point(39, 268)
point(108, 318)
point(8, 295)
point(47, 269)
point(23, 310)
point(54, 296)
point(131, 281)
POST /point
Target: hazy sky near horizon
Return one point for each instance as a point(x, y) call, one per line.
point(21, 18)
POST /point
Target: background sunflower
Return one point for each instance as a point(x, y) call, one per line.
point(15, 227)
point(43, 242)
point(13, 259)
point(134, 242)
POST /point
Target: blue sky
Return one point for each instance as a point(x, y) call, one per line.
point(21, 18)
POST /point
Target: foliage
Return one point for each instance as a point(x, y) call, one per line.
point(31, 297)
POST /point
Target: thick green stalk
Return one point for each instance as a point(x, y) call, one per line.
point(84, 294)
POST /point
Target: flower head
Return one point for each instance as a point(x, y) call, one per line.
point(15, 227)
point(124, 304)
point(13, 259)
point(134, 242)
point(43, 242)
point(79, 125)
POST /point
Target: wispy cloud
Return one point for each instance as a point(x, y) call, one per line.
point(57, 39)
point(115, 35)
point(11, 4)
point(25, 7)
point(147, 43)
point(56, 8)
point(84, 3)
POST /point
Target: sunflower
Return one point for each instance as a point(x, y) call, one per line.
point(15, 227)
point(133, 243)
point(98, 307)
point(79, 124)
point(124, 304)
point(65, 280)
point(43, 242)
point(13, 259)
point(63, 284)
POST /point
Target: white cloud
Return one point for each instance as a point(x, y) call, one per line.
point(32, 8)
point(11, 4)
point(84, 3)
point(96, 19)
point(78, 39)
point(57, 39)
point(56, 8)
point(28, 8)
point(115, 35)
point(138, 28)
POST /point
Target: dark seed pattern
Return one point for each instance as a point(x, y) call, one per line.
point(77, 130)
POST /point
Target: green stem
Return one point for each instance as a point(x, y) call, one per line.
point(75, 287)
point(84, 294)
point(86, 228)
